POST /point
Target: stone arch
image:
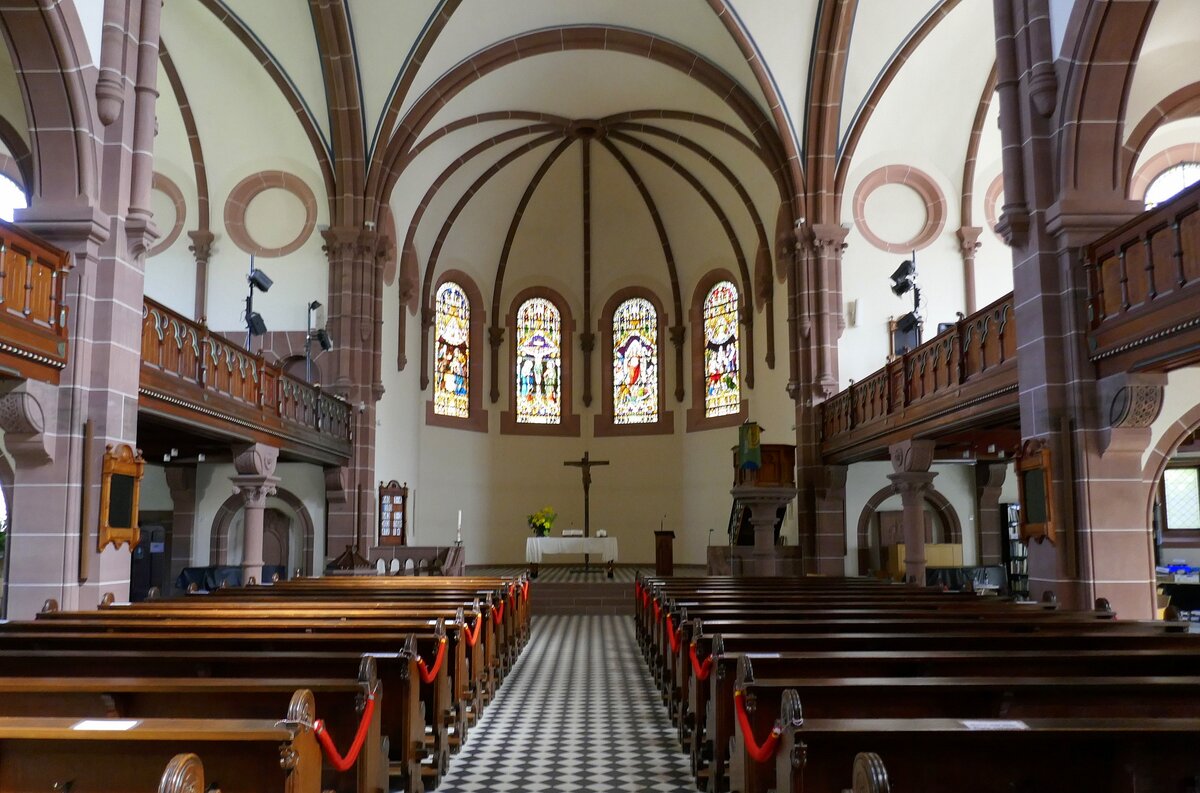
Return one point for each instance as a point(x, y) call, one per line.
point(219, 536)
point(1163, 451)
point(939, 504)
point(44, 41)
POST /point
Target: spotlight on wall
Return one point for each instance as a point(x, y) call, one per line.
point(255, 323)
point(902, 279)
point(260, 280)
point(324, 340)
point(908, 322)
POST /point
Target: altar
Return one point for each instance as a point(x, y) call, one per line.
point(537, 547)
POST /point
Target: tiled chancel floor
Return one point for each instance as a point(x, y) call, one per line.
point(578, 712)
point(557, 574)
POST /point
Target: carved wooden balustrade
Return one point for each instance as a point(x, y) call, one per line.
point(964, 377)
point(1143, 287)
point(193, 374)
point(33, 316)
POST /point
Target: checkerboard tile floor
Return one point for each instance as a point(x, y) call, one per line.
point(578, 712)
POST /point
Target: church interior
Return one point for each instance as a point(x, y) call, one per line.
point(490, 347)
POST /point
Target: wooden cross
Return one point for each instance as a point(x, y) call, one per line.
point(585, 464)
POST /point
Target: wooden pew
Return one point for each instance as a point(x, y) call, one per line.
point(242, 756)
point(930, 755)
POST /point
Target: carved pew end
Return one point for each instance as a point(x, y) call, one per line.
point(870, 775)
point(183, 774)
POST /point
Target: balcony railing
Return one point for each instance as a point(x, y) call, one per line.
point(33, 315)
point(954, 366)
point(186, 367)
point(1143, 281)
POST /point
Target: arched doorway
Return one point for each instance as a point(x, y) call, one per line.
point(1172, 475)
point(301, 534)
point(944, 525)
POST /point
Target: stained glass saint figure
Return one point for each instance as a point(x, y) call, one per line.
point(722, 392)
point(451, 370)
point(635, 362)
point(539, 362)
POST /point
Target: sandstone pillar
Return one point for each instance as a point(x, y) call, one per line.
point(254, 481)
point(990, 524)
point(912, 479)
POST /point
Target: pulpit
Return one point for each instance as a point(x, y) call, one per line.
point(764, 491)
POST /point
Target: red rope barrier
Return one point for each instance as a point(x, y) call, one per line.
point(473, 635)
point(760, 754)
point(498, 613)
point(525, 590)
point(657, 611)
point(428, 675)
point(347, 762)
point(672, 633)
point(700, 670)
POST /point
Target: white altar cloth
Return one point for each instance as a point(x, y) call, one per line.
point(537, 547)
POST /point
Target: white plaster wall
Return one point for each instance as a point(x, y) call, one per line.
point(1169, 58)
point(213, 487)
point(154, 495)
point(1175, 133)
point(91, 17)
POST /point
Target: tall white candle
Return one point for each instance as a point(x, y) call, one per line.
point(458, 534)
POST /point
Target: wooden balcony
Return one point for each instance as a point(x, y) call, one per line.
point(1143, 288)
point(33, 315)
point(204, 380)
point(963, 378)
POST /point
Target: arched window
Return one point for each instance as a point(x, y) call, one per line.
point(1170, 182)
point(717, 371)
point(539, 362)
point(635, 362)
point(12, 198)
point(452, 352)
point(722, 389)
point(453, 359)
point(632, 330)
point(539, 332)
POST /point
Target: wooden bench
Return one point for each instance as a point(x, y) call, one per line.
point(242, 756)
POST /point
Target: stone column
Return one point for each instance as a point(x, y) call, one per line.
point(181, 480)
point(255, 481)
point(912, 478)
point(968, 240)
point(830, 542)
point(989, 478)
point(201, 248)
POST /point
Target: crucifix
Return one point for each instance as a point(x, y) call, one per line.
point(585, 465)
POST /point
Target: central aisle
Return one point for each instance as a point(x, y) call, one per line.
point(578, 712)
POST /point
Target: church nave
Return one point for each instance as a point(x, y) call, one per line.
point(578, 712)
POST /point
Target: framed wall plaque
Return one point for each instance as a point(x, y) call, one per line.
point(120, 492)
point(393, 513)
point(1034, 488)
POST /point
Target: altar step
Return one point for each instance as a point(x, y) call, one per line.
point(592, 597)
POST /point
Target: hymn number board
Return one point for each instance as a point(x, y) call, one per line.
point(393, 513)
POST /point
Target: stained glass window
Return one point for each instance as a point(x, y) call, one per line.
point(635, 362)
point(451, 364)
point(539, 362)
point(722, 394)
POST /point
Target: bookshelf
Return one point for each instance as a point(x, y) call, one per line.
point(1016, 553)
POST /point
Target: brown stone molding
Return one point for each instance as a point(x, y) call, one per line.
point(938, 503)
point(790, 154)
point(826, 83)
point(1091, 114)
point(1183, 103)
point(1181, 431)
point(604, 425)
point(23, 423)
point(246, 190)
point(343, 93)
point(695, 419)
point(53, 84)
point(219, 534)
point(393, 157)
point(1155, 166)
point(538, 122)
point(990, 199)
point(193, 136)
point(287, 90)
point(477, 418)
point(879, 89)
point(164, 185)
point(911, 456)
point(966, 208)
point(569, 424)
point(920, 183)
point(989, 480)
point(968, 243)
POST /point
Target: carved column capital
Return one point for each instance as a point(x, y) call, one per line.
point(829, 238)
point(1129, 403)
point(202, 242)
point(254, 489)
point(337, 484)
point(911, 456)
point(181, 481)
point(255, 459)
point(912, 484)
point(968, 240)
point(23, 420)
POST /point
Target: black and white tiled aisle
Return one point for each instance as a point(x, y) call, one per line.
point(578, 712)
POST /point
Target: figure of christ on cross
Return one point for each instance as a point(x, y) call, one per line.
point(585, 465)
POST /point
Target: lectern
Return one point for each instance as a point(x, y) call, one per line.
point(664, 554)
